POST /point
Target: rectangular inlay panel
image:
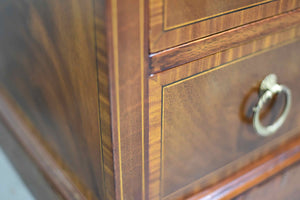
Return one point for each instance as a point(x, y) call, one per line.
point(201, 124)
point(183, 12)
point(176, 22)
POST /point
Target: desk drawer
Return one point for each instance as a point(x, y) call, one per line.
point(201, 128)
point(175, 22)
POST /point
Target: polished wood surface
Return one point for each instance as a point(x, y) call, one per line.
point(183, 100)
point(127, 32)
point(284, 185)
point(65, 68)
point(161, 39)
point(184, 12)
point(184, 71)
point(200, 48)
point(48, 69)
point(25, 133)
point(254, 174)
point(107, 167)
point(74, 78)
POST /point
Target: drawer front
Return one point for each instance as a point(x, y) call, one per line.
point(174, 22)
point(286, 185)
point(183, 12)
point(201, 127)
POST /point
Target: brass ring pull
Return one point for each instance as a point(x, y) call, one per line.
point(268, 89)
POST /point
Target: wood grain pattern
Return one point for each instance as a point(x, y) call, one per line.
point(192, 112)
point(48, 67)
point(188, 70)
point(76, 76)
point(282, 158)
point(165, 78)
point(200, 48)
point(128, 60)
point(24, 131)
point(104, 100)
point(161, 39)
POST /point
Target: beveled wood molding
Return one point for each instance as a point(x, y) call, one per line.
point(254, 174)
point(219, 42)
point(24, 132)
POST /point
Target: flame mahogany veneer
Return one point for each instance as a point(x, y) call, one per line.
point(100, 99)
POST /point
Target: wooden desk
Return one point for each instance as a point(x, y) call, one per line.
point(134, 99)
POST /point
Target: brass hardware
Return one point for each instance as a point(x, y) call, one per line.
point(268, 89)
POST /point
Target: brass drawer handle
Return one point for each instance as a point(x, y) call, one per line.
point(268, 89)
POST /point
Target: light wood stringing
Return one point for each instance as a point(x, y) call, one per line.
point(157, 80)
point(161, 39)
